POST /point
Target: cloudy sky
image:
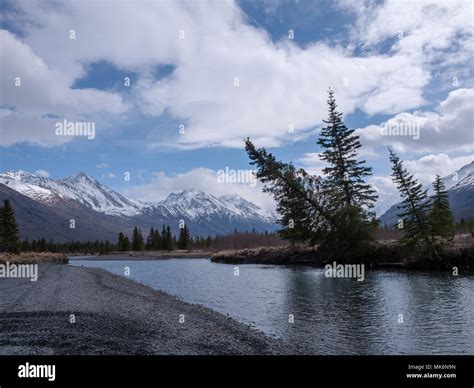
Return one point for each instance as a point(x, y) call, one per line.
point(174, 87)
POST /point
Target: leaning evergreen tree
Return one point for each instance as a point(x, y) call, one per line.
point(9, 228)
point(441, 217)
point(415, 206)
point(333, 211)
point(303, 210)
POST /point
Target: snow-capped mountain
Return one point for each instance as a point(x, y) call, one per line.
point(195, 205)
point(460, 187)
point(204, 213)
point(80, 187)
point(460, 179)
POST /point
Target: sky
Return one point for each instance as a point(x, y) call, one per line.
point(174, 87)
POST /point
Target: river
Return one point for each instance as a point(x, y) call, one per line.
point(390, 312)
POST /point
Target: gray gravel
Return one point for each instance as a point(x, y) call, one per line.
point(114, 315)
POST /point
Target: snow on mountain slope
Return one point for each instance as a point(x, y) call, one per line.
point(460, 178)
point(246, 208)
point(197, 205)
point(80, 187)
point(31, 185)
point(190, 205)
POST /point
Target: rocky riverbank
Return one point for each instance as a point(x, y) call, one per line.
point(78, 310)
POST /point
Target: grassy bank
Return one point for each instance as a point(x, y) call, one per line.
point(459, 253)
point(190, 254)
point(33, 258)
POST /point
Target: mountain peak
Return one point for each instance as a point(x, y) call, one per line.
point(81, 176)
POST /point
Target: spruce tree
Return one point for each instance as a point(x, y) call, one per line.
point(344, 174)
point(137, 240)
point(441, 218)
point(184, 238)
point(164, 240)
point(169, 239)
point(333, 211)
point(120, 242)
point(351, 198)
point(415, 206)
point(126, 244)
point(149, 239)
point(157, 240)
point(42, 245)
point(9, 228)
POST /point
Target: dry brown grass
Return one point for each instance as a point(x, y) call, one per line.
point(33, 258)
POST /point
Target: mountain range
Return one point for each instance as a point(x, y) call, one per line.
point(45, 207)
point(460, 187)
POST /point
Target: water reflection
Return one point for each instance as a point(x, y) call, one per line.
point(331, 315)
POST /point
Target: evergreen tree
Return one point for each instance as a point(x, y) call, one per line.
point(184, 237)
point(345, 174)
point(415, 206)
point(42, 245)
point(126, 244)
point(334, 211)
point(120, 243)
point(303, 207)
point(9, 228)
point(164, 240)
point(157, 243)
point(441, 218)
point(149, 240)
point(169, 239)
point(25, 246)
point(137, 240)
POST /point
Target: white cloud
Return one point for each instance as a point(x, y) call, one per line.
point(386, 191)
point(34, 95)
point(42, 173)
point(280, 83)
point(202, 179)
point(102, 165)
point(448, 128)
point(312, 163)
point(426, 168)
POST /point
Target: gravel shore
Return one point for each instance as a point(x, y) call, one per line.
point(114, 315)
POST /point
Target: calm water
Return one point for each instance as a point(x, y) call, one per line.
point(331, 316)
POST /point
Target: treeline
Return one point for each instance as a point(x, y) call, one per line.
point(156, 240)
point(163, 240)
point(334, 211)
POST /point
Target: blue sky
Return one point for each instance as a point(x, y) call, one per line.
point(390, 63)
